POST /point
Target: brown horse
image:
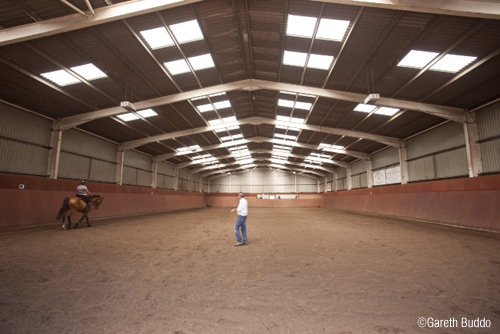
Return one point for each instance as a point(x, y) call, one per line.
point(73, 205)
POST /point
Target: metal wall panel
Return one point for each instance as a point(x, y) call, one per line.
point(82, 143)
point(73, 166)
point(18, 157)
point(355, 181)
point(22, 125)
point(165, 181)
point(184, 174)
point(143, 178)
point(491, 156)
point(358, 167)
point(448, 136)
point(129, 175)
point(138, 160)
point(488, 121)
point(165, 168)
point(341, 184)
point(422, 169)
point(452, 164)
point(102, 171)
point(363, 181)
point(387, 157)
point(341, 173)
point(307, 188)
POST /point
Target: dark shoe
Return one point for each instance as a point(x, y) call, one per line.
point(246, 243)
point(239, 244)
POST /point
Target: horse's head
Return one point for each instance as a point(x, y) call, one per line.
point(97, 200)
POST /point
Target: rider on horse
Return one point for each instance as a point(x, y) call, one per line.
point(83, 193)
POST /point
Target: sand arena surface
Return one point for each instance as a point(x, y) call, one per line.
point(306, 270)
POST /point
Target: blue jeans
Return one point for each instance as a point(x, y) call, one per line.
point(241, 223)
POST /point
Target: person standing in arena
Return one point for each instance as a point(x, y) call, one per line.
point(83, 193)
point(241, 222)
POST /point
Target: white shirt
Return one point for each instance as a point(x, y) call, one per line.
point(81, 190)
point(242, 207)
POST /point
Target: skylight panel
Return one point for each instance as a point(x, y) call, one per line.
point(237, 136)
point(332, 30)
point(222, 104)
point(330, 147)
point(157, 38)
point(386, 111)
point(319, 62)
point(285, 103)
point(147, 113)
point(294, 58)
point(283, 118)
point(215, 122)
point(194, 148)
point(205, 107)
point(229, 119)
point(128, 117)
point(417, 59)
point(303, 105)
point(177, 67)
point(300, 26)
point(296, 119)
point(89, 72)
point(279, 135)
point(61, 78)
point(365, 108)
point(187, 31)
point(278, 161)
point(245, 162)
point(201, 62)
point(247, 166)
point(452, 63)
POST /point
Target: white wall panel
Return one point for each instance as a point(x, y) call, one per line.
point(19, 157)
point(491, 156)
point(387, 157)
point(102, 171)
point(451, 164)
point(85, 144)
point(138, 160)
point(448, 136)
point(358, 167)
point(22, 125)
point(73, 166)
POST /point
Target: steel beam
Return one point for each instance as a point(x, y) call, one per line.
point(479, 9)
point(77, 21)
point(391, 141)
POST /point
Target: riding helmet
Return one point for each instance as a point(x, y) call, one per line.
point(83, 182)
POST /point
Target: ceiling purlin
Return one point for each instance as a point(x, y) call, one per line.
point(26, 10)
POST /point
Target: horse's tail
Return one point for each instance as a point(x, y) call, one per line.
point(63, 209)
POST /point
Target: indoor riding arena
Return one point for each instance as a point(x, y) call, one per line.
point(249, 166)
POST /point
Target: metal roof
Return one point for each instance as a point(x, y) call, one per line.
point(247, 41)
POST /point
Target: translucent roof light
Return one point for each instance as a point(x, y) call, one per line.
point(452, 63)
point(417, 59)
point(303, 105)
point(157, 38)
point(201, 62)
point(319, 62)
point(365, 108)
point(177, 67)
point(61, 77)
point(294, 58)
point(205, 107)
point(222, 104)
point(279, 135)
point(285, 103)
point(187, 31)
point(127, 117)
point(300, 26)
point(333, 30)
point(328, 147)
point(89, 72)
point(386, 111)
point(131, 116)
point(147, 113)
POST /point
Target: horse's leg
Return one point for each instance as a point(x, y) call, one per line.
point(69, 221)
point(87, 218)
point(63, 221)
point(78, 223)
